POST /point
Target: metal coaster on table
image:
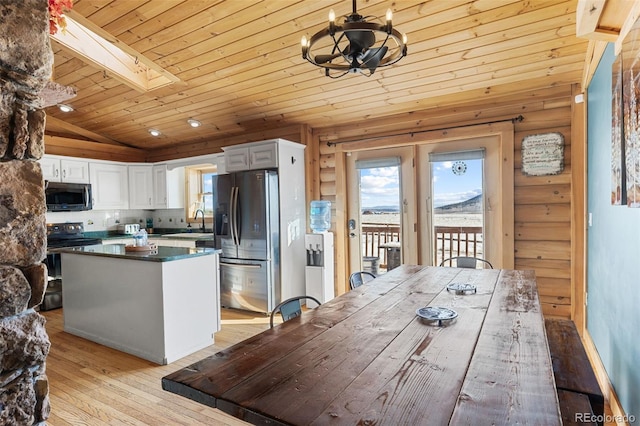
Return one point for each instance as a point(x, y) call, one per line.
point(436, 313)
point(462, 288)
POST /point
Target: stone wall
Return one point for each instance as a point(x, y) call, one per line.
point(25, 68)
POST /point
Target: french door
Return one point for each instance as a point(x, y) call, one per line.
point(477, 216)
point(381, 214)
point(371, 171)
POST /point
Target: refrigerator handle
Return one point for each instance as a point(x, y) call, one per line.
point(242, 265)
point(237, 219)
point(234, 215)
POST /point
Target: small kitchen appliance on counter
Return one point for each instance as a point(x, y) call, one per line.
point(128, 228)
point(60, 235)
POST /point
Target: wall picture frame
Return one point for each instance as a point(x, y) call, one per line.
point(543, 154)
point(618, 169)
point(631, 111)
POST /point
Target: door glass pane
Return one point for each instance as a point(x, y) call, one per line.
point(380, 217)
point(457, 208)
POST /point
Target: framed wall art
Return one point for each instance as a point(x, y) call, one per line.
point(631, 110)
point(618, 175)
point(543, 154)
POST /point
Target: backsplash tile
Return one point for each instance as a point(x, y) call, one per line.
point(108, 220)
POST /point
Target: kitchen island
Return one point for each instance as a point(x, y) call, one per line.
point(159, 305)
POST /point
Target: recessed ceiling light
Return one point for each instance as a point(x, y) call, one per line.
point(194, 123)
point(155, 132)
point(65, 108)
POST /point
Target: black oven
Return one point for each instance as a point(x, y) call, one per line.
point(60, 235)
point(65, 197)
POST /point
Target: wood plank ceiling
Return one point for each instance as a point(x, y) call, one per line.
point(240, 66)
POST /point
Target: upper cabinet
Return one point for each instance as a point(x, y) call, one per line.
point(110, 185)
point(168, 187)
point(59, 169)
point(251, 156)
point(155, 187)
point(141, 186)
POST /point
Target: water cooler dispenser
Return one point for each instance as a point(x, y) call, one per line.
point(319, 270)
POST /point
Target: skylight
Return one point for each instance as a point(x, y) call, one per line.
point(106, 52)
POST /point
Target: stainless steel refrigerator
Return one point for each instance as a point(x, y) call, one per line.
point(246, 206)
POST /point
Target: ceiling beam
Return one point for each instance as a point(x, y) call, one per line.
point(104, 51)
point(629, 22)
point(588, 14)
point(83, 132)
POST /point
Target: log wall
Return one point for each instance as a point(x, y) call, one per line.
point(542, 204)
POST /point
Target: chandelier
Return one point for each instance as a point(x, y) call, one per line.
point(357, 46)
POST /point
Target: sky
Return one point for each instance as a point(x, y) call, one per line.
point(381, 186)
point(450, 188)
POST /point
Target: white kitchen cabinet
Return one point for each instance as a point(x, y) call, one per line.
point(251, 156)
point(168, 187)
point(141, 186)
point(154, 307)
point(236, 159)
point(110, 185)
point(57, 169)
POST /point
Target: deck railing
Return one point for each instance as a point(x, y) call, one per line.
point(376, 234)
point(449, 241)
point(453, 241)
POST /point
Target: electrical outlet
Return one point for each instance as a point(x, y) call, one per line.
point(89, 222)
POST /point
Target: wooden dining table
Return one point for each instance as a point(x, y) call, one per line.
point(367, 357)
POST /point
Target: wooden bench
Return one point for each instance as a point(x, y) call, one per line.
point(578, 389)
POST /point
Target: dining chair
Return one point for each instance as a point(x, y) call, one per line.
point(290, 308)
point(358, 278)
point(466, 262)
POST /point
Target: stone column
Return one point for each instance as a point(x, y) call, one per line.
point(25, 67)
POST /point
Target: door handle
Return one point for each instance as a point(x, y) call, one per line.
point(351, 224)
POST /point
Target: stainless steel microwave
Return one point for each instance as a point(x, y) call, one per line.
point(66, 197)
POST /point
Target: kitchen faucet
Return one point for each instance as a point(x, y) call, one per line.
point(196, 216)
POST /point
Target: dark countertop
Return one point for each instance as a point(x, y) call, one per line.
point(162, 254)
point(158, 233)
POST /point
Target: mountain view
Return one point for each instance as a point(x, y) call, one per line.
point(472, 205)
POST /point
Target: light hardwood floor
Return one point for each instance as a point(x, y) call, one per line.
point(90, 384)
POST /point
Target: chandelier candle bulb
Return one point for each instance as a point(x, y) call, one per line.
point(332, 22)
point(389, 18)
